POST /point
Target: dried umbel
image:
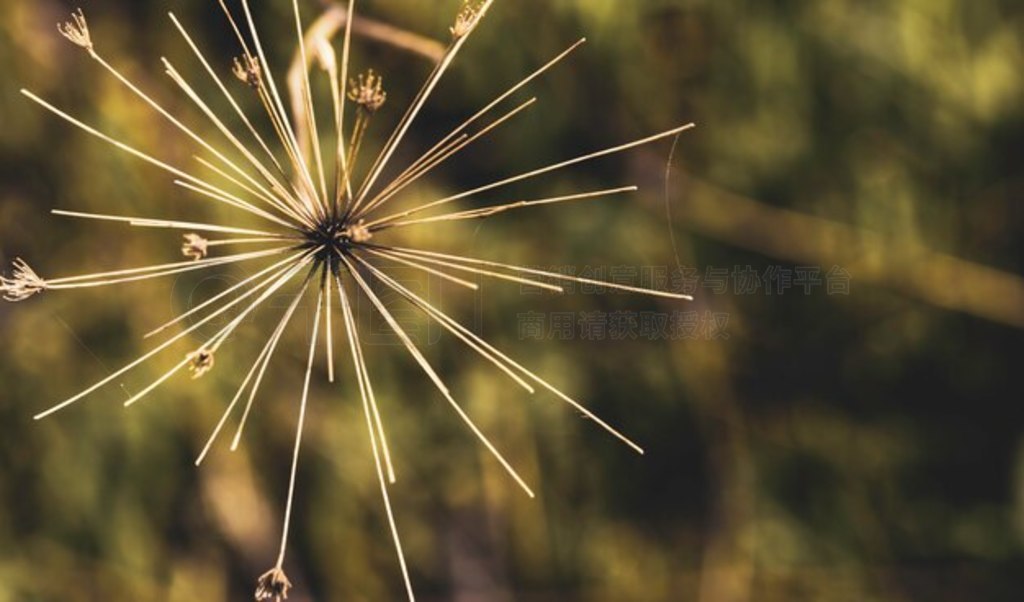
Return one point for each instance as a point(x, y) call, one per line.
point(273, 585)
point(467, 18)
point(23, 282)
point(323, 232)
point(367, 91)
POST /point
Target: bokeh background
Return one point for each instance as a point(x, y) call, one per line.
point(860, 440)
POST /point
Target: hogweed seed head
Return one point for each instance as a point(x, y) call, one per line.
point(273, 585)
point(329, 234)
point(247, 70)
point(367, 91)
point(200, 362)
point(22, 284)
point(76, 30)
point(194, 246)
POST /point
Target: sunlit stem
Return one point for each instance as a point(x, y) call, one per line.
point(159, 223)
point(344, 180)
point(227, 94)
point(429, 310)
point(396, 254)
point(223, 294)
point(171, 118)
point(134, 152)
point(271, 348)
point(216, 195)
point(425, 255)
point(298, 433)
point(264, 194)
point(419, 266)
point(307, 97)
point(325, 284)
point(454, 326)
point(213, 343)
point(447, 155)
point(522, 83)
point(355, 145)
point(418, 356)
point(285, 319)
point(364, 384)
point(496, 209)
point(143, 273)
point(302, 165)
point(416, 169)
point(534, 173)
point(162, 346)
point(396, 139)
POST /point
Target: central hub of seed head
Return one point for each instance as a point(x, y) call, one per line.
point(334, 237)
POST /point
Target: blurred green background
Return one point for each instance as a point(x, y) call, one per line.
point(822, 446)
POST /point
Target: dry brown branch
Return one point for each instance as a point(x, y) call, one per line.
point(917, 272)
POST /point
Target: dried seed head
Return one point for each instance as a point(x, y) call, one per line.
point(273, 585)
point(194, 246)
point(200, 362)
point(367, 91)
point(247, 70)
point(22, 284)
point(76, 30)
point(466, 20)
point(357, 233)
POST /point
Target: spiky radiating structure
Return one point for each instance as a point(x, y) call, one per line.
point(323, 232)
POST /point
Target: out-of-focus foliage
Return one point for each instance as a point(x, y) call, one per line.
point(861, 446)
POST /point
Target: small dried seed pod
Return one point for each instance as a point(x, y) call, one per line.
point(367, 91)
point(357, 233)
point(22, 284)
point(194, 246)
point(247, 70)
point(200, 362)
point(466, 20)
point(273, 585)
point(76, 30)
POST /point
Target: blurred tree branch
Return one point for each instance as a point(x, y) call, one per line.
point(915, 271)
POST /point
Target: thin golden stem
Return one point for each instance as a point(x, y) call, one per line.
point(397, 253)
point(496, 209)
point(403, 291)
point(302, 166)
point(425, 365)
point(307, 98)
point(424, 255)
point(447, 155)
point(364, 385)
point(522, 83)
point(325, 283)
point(164, 345)
point(298, 432)
point(396, 139)
point(222, 294)
point(159, 223)
point(227, 94)
point(281, 325)
point(263, 193)
point(134, 152)
point(455, 326)
point(533, 173)
point(419, 266)
point(143, 273)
